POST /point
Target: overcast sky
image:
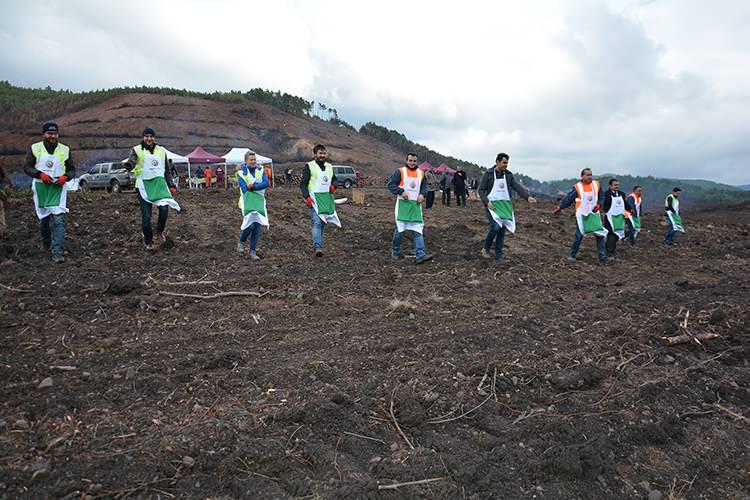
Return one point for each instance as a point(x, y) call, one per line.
point(642, 87)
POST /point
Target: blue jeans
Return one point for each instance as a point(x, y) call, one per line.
point(630, 232)
point(496, 232)
point(669, 237)
point(317, 229)
point(253, 231)
point(148, 235)
point(54, 237)
point(416, 238)
point(577, 244)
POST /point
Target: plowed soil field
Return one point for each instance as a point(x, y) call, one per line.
point(124, 373)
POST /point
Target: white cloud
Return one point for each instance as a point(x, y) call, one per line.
point(622, 85)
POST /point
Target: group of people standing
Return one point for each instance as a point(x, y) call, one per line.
point(50, 164)
point(457, 183)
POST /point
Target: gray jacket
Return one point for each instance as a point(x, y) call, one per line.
point(488, 181)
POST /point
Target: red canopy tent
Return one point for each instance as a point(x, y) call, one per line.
point(443, 168)
point(200, 155)
point(426, 166)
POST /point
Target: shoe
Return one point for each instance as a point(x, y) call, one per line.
point(668, 243)
point(501, 257)
point(424, 258)
point(58, 259)
point(602, 262)
point(254, 255)
point(611, 258)
point(486, 254)
point(571, 258)
point(395, 255)
point(161, 238)
point(150, 247)
point(318, 252)
point(240, 248)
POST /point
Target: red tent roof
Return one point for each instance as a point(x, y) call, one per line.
point(443, 168)
point(200, 155)
point(426, 166)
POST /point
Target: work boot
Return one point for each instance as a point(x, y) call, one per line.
point(424, 258)
point(571, 258)
point(318, 252)
point(610, 258)
point(58, 259)
point(240, 248)
point(254, 255)
point(395, 255)
point(486, 253)
point(150, 247)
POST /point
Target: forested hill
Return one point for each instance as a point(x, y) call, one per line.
point(103, 124)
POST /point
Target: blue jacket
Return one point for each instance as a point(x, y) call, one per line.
point(263, 184)
point(395, 180)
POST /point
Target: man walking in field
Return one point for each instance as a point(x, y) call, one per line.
point(153, 184)
point(317, 189)
point(672, 213)
point(615, 208)
point(409, 185)
point(49, 163)
point(588, 198)
point(633, 218)
point(252, 181)
point(495, 190)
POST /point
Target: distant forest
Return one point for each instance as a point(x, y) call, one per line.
point(22, 108)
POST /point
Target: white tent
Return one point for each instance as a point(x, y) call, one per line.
point(236, 156)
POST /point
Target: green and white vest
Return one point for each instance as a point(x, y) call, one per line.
point(50, 199)
point(320, 192)
point(616, 216)
point(674, 217)
point(502, 206)
point(149, 176)
point(252, 203)
point(409, 215)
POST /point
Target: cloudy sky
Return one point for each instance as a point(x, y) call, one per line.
point(642, 87)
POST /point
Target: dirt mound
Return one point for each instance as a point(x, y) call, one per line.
point(127, 373)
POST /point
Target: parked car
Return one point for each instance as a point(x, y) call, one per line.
point(345, 176)
point(111, 176)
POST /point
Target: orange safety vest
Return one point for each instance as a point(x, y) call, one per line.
point(407, 172)
point(581, 188)
point(637, 200)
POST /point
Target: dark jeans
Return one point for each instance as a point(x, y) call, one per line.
point(447, 197)
point(288, 181)
point(460, 199)
point(252, 231)
point(611, 244)
point(496, 232)
point(669, 237)
point(630, 232)
point(161, 223)
point(430, 199)
point(53, 237)
point(600, 245)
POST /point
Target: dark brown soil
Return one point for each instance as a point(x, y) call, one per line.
point(530, 378)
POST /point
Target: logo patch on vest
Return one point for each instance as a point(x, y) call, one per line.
point(589, 198)
point(501, 184)
point(412, 184)
point(49, 163)
point(154, 162)
point(325, 178)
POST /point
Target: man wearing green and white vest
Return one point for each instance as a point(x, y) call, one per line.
point(49, 163)
point(252, 182)
point(588, 198)
point(616, 207)
point(409, 184)
point(317, 189)
point(148, 161)
point(633, 219)
point(672, 213)
point(494, 190)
